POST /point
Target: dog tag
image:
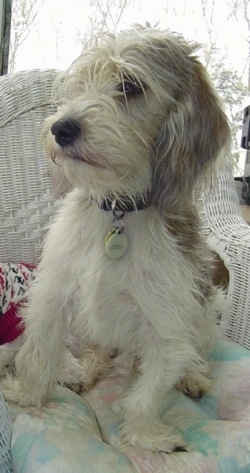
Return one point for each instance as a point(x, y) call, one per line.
point(116, 243)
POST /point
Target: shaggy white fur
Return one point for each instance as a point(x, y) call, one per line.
point(138, 122)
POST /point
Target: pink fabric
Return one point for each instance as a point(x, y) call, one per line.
point(14, 282)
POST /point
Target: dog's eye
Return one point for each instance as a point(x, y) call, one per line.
point(130, 87)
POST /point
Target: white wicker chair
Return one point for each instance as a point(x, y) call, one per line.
point(27, 203)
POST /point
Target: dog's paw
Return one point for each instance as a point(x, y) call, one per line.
point(77, 388)
point(14, 391)
point(79, 374)
point(194, 385)
point(154, 436)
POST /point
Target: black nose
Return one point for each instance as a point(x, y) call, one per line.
point(65, 131)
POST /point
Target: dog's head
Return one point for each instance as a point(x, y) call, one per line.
point(139, 117)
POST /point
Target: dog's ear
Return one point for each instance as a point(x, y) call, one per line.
point(192, 136)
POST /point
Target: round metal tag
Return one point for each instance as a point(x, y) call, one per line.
point(116, 244)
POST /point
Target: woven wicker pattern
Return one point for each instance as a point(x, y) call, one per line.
point(27, 203)
point(5, 439)
point(229, 235)
point(25, 183)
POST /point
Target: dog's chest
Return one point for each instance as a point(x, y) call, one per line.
point(100, 288)
point(109, 295)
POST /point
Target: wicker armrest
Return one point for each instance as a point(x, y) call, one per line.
point(228, 235)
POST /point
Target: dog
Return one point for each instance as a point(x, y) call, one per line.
point(139, 129)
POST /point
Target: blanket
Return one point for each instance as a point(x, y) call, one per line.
point(79, 434)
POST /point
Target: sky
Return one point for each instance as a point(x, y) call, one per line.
point(53, 39)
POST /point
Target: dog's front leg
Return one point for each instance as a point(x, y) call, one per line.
point(158, 374)
point(38, 361)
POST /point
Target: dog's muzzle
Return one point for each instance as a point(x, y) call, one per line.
point(65, 131)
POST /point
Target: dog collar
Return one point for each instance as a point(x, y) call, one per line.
point(116, 240)
point(123, 205)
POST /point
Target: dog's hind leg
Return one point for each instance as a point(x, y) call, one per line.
point(79, 374)
point(8, 352)
point(194, 385)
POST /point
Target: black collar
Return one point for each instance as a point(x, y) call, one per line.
point(124, 204)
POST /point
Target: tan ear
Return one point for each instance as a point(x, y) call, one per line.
point(191, 138)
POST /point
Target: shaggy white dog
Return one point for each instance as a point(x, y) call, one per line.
point(138, 129)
